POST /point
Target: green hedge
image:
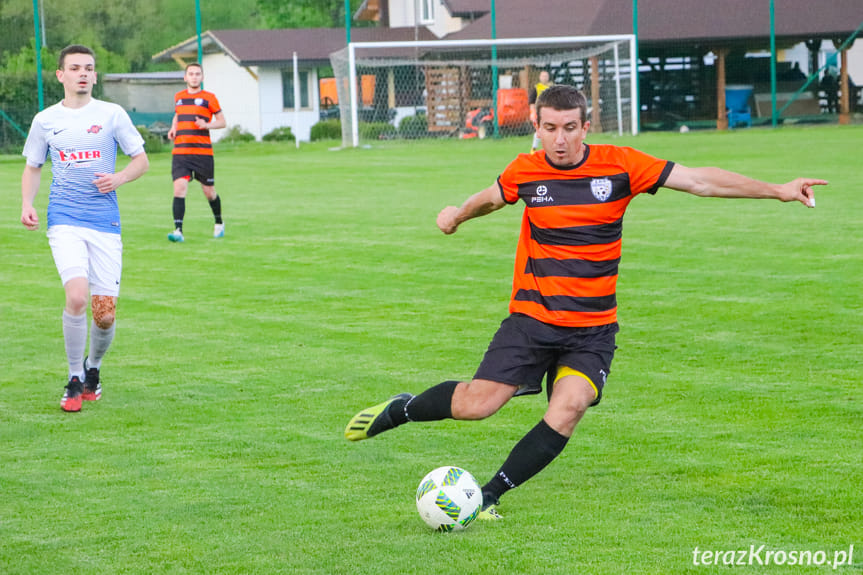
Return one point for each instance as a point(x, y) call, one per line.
point(153, 143)
point(236, 134)
point(377, 131)
point(281, 134)
point(327, 130)
point(414, 126)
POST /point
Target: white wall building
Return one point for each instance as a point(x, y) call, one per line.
point(251, 72)
point(440, 17)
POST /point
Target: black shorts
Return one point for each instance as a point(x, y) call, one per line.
point(189, 166)
point(525, 349)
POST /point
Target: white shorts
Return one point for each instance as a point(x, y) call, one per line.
point(82, 252)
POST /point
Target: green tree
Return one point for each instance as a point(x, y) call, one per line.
point(132, 29)
point(125, 34)
point(305, 13)
point(173, 21)
point(17, 25)
point(24, 60)
point(19, 97)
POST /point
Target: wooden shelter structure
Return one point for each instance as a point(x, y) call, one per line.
point(687, 31)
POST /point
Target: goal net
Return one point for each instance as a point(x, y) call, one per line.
point(477, 88)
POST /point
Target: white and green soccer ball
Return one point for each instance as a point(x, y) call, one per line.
point(449, 499)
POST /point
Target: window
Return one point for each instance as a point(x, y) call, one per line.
point(288, 88)
point(426, 11)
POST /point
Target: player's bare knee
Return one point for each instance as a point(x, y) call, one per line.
point(578, 405)
point(563, 417)
point(479, 399)
point(104, 321)
point(104, 311)
point(76, 307)
point(570, 400)
point(76, 303)
point(76, 288)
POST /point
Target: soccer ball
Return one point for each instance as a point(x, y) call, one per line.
point(449, 499)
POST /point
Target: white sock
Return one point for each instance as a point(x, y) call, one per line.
point(100, 340)
point(75, 338)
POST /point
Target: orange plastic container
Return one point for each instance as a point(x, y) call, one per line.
point(329, 91)
point(512, 107)
point(367, 89)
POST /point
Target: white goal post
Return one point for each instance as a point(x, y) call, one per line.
point(444, 88)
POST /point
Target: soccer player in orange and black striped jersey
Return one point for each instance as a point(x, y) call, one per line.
point(196, 113)
point(563, 311)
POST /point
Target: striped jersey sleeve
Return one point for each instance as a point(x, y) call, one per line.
point(190, 139)
point(570, 243)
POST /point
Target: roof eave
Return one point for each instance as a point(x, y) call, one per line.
point(189, 48)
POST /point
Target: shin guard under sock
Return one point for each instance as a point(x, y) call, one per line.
point(216, 206)
point(433, 404)
point(529, 456)
point(75, 339)
point(179, 212)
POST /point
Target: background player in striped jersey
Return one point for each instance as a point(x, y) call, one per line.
point(563, 309)
point(196, 112)
point(81, 134)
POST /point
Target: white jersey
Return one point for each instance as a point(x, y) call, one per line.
point(82, 142)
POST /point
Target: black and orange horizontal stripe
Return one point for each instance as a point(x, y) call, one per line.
point(569, 249)
point(189, 139)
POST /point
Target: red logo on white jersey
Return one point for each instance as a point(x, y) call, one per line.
point(80, 155)
point(94, 129)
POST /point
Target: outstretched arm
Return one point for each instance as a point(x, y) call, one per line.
point(717, 183)
point(479, 204)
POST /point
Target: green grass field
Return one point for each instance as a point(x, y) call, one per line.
point(732, 418)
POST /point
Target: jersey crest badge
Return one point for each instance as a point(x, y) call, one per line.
point(601, 188)
point(94, 129)
point(199, 101)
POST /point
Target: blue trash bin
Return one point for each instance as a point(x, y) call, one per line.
point(737, 103)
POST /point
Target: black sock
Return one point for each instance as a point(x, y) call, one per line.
point(179, 212)
point(529, 456)
point(433, 404)
point(216, 206)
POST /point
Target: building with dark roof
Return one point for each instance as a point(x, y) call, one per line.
point(688, 49)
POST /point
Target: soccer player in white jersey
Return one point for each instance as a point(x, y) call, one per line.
point(81, 134)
